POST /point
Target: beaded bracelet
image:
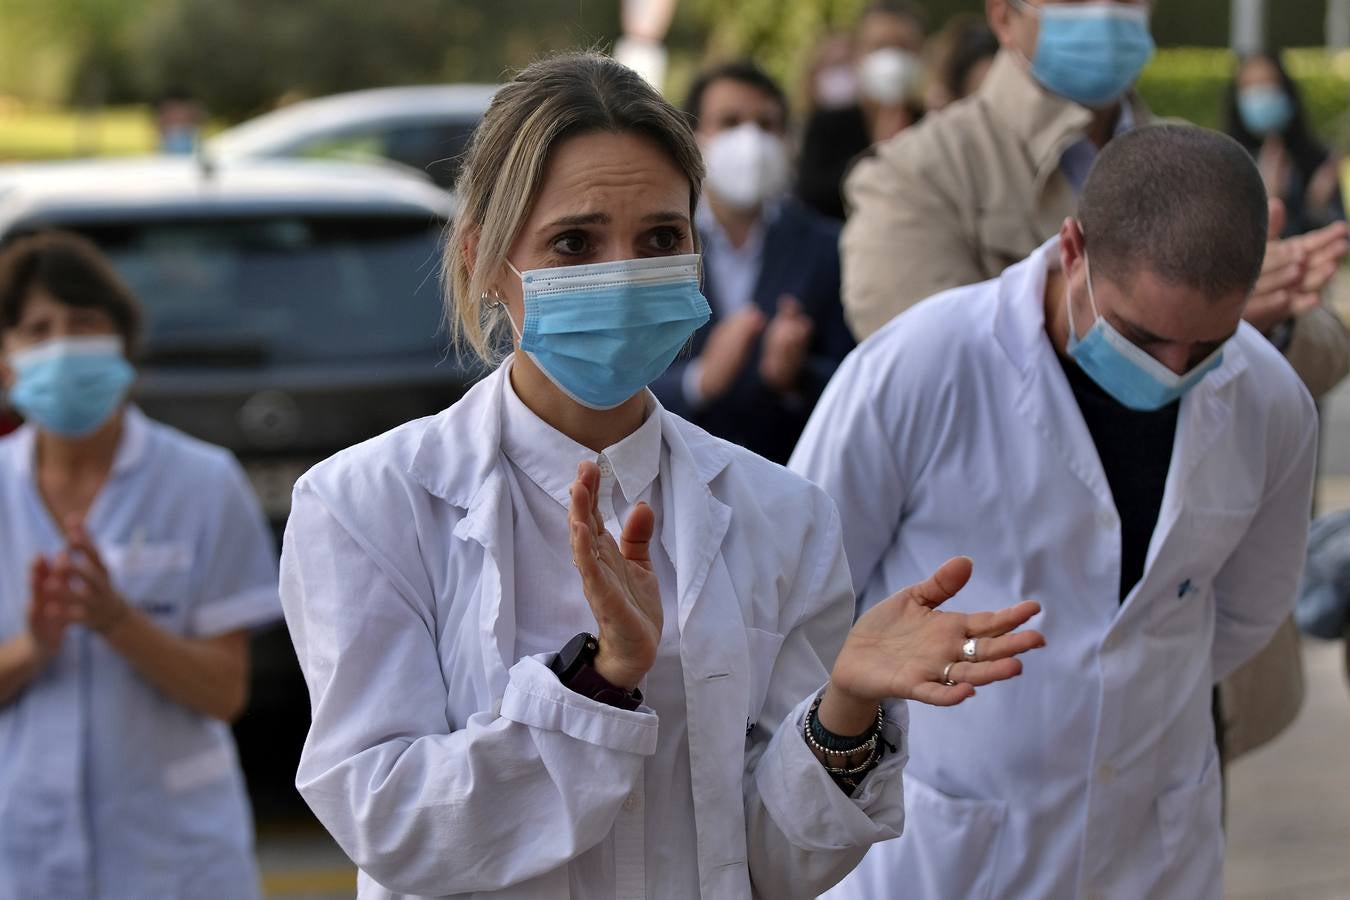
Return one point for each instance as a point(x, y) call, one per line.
point(846, 776)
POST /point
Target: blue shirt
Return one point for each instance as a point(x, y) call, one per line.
point(108, 789)
point(1076, 162)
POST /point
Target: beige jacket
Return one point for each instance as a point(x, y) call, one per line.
point(977, 187)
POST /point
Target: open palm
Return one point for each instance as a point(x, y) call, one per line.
point(618, 581)
point(900, 648)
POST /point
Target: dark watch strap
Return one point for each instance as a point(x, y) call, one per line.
point(574, 666)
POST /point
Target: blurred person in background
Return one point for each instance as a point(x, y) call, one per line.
point(959, 58)
point(561, 643)
point(1264, 112)
point(831, 80)
point(770, 272)
point(887, 44)
point(179, 118)
point(980, 185)
point(134, 562)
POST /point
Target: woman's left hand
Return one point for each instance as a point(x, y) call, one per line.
point(89, 596)
point(902, 647)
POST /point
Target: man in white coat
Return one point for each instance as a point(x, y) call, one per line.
point(1098, 430)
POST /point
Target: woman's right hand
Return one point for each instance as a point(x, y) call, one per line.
point(47, 619)
point(618, 581)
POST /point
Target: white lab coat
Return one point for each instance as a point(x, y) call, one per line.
point(954, 430)
point(443, 765)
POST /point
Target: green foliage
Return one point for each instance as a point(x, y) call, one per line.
point(1190, 83)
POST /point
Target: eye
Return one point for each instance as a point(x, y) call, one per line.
point(571, 243)
point(667, 240)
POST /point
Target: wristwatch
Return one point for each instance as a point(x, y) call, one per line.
point(574, 665)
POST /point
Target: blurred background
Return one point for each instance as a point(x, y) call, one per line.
point(285, 242)
point(79, 77)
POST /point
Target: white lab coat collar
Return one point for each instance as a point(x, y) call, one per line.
point(459, 460)
point(131, 447)
point(458, 470)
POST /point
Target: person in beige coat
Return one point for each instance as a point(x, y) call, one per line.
point(981, 184)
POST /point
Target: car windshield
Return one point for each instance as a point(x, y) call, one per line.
point(283, 289)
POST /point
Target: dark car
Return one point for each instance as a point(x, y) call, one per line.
point(294, 309)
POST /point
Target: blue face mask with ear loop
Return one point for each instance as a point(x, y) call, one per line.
point(71, 386)
point(1265, 109)
point(1090, 53)
point(603, 332)
point(1122, 368)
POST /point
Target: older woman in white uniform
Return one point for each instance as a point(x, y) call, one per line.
point(561, 643)
point(133, 561)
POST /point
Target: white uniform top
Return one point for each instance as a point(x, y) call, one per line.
point(444, 762)
point(542, 466)
point(108, 789)
point(954, 430)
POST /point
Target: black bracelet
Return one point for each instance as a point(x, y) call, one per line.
point(835, 743)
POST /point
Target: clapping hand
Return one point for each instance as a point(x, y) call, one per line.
point(906, 648)
point(618, 581)
point(1295, 272)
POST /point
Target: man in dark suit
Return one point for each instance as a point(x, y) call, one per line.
point(771, 274)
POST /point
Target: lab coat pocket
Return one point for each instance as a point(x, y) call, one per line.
point(763, 647)
point(1191, 815)
point(935, 823)
point(1184, 573)
point(154, 577)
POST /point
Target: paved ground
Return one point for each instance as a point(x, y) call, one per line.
point(1289, 803)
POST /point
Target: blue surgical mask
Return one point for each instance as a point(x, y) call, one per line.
point(603, 332)
point(1265, 109)
point(178, 140)
point(70, 386)
point(1091, 53)
point(1124, 370)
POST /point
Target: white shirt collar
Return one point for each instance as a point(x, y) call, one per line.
point(549, 458)
point(130, 447)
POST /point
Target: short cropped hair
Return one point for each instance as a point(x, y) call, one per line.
point(1182, 202)
point(742, 71)
point(74, 272)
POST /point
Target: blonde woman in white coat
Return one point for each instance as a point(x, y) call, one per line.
point(561, 643)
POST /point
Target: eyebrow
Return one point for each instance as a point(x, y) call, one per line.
point(1144, 336)
point(599, 218)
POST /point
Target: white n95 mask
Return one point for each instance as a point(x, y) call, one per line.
point(889, 76)
point(746, 166)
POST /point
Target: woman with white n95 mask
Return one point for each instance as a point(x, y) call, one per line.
point(561, 643)
point(133, 562)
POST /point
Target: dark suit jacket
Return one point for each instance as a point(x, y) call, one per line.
point(801, 258)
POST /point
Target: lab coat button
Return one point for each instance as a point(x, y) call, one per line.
point(633, 802)
point(606, 469)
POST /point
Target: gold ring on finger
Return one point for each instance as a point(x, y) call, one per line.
point(969, 649)
point(947, 675)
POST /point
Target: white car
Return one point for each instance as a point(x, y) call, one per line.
point(425, 127)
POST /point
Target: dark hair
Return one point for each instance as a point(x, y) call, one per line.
point(973, 44)
point(74, 272)
point(901, 9)
point(743, 71)
point(1180, 201)
point(1305, 150)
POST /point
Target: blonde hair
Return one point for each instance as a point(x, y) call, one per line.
point(548, 102)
